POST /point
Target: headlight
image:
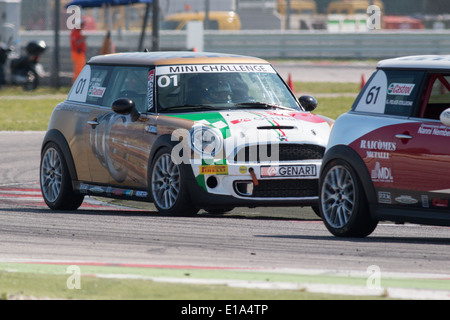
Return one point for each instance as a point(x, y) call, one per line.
point(206, 141)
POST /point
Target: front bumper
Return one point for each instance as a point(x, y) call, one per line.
point(256, 184)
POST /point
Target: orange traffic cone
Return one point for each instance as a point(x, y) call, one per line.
point(291, 83)
point(363, 81)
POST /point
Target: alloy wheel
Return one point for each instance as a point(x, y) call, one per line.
point(338, 196)
point(165, 182)
point(51, 175)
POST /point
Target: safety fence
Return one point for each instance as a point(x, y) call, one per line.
point(266, 44)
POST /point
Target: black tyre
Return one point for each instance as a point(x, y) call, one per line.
point(316, 211)
point(343, 203)
point(219, 211)
point(168, 186)
point(56, 184)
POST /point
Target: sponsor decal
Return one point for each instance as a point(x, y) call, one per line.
point(382, 174)
point(214, 68)
point(118, 192)
point(237, 121)
point(377, 155)
point(151, 129)
point(141, 194)
point(425, 201)
point(440, 203)
point(214, 169)
point(403, 103)
point(243, 169)
point(96, 189)
point(219, 125)
point(380, 148)
point(384, 197)
point(86, 189)
point(83, 188)
point(96, 92)
point(400, 89)
point(434, 130)
point(150, 85)
point(406, 199)
point(289, 171)
point(378, 145)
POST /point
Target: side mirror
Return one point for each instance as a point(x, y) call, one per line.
point(445, 117)
point(125, 106)
point(308, 103)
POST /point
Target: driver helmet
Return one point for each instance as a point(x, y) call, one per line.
point(219, 91)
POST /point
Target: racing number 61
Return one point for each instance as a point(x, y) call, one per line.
point(372, 96)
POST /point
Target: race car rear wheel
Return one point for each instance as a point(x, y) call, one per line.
point(56, 184)
point(343, 203)
point(168, 187)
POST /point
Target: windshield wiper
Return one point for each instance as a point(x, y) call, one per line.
point(263, 105)
point(191, 106)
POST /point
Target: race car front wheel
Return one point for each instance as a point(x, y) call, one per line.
point(343, 203)
point(56, 184)
point(168, 186)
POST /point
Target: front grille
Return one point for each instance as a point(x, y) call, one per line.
point(280, 152)
point(295, 188)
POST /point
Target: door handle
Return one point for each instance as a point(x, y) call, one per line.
point(93, 123)
point(403, 136)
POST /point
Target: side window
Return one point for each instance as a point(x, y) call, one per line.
point(98, 85)
point(403, 92)
point(391, 92)
point(438, 95)
point(129, 82)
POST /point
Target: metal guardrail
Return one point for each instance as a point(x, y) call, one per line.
point(270, 44)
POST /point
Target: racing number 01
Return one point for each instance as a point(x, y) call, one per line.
point(80, 86)
point(372, 96)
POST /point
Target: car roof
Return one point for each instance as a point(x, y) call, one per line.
point(417, 62)
point(171, 58)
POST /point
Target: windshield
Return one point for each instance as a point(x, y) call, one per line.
point(210, 87)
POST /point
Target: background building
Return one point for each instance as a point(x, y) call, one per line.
point(255, 14)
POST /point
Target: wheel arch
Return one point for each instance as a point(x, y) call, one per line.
point(352, 157)
point(58, 138)
point(161, 142)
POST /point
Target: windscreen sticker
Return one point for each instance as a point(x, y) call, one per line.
point(374, 97)
point(214, 68)
point(96, 92)
point(150, 85)
point(400, 89)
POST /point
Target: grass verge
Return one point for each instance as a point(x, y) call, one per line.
point(135, 283)
point(31, 111)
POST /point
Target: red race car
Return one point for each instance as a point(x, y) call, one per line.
point(388, 157)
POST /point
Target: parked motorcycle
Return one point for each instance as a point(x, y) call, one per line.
point(24, 70)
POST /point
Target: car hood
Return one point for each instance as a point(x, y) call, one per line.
point(247, 127)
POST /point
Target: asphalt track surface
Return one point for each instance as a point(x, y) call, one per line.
point(261, 238)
